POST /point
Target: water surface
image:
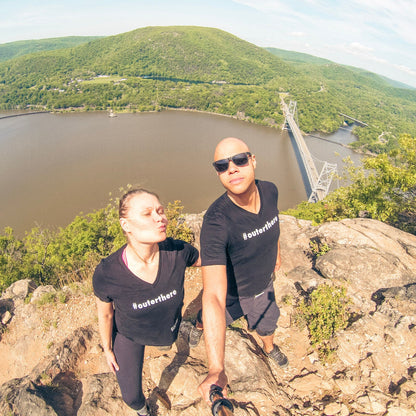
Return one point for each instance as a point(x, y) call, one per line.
point(54, 166)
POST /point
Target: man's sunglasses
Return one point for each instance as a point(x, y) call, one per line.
point(240, 159)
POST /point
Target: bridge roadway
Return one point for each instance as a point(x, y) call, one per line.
point(354, 119)
point(308, 162)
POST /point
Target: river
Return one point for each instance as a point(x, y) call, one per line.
point(55, 166)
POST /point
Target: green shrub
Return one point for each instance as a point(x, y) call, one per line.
point(46, 298)
point(324, 313)
point(318, 249)
point(61, 297)
point(176, 227)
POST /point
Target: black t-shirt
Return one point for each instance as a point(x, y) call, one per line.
point(147, 313)
point(245, 242)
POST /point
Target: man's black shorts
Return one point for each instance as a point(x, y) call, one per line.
point(261, 311)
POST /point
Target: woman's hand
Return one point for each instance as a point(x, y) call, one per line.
point(111, 361)
point(105, 312)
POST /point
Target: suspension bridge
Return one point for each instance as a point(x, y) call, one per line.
point(317, 184)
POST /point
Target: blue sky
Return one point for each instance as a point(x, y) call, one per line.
point(378, 35)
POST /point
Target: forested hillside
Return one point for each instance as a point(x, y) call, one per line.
point(329, 89)
point(24, 47)
point(209, 70)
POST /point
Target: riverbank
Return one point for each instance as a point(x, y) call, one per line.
point(25, 114)
point(238, 116)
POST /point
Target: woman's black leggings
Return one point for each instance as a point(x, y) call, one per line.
point(129, 356)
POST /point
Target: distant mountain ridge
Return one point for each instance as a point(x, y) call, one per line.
point(293, 56)
point(12, 50)
point(299, 57)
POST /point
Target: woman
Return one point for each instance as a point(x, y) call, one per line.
point(141, 287)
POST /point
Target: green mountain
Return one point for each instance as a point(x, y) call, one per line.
point(208, 70)
point(188, 53)
point(24, 47)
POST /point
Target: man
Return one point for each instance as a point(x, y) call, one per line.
point(240, 250)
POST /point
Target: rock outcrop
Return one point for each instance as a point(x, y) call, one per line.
point(373, 371)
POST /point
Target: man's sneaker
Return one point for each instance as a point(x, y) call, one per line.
point(194, 336)
point(277, 355)
point(144, 411)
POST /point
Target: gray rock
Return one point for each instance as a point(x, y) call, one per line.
point(41, 291)
point(363, 271)
point(20, 289)
point(101, 396)
point(29, 401)
point(373, 369)
point(6, 318)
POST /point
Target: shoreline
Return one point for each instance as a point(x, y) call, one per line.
point(112, 113)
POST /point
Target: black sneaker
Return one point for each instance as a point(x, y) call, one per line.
point(277, 355)
point(194, 336)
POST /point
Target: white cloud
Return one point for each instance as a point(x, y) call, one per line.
point(361, 51)
point(297, 34)
point(397, 16)
point(405, 69)
point(356, 47)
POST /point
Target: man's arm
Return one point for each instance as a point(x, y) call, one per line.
point(213, 318)
point(105, 324)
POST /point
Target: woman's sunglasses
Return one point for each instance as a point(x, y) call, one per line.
point(240, 159)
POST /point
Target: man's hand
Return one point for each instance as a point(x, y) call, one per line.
point(219, 379)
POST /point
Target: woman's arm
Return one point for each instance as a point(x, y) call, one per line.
point(105, 324)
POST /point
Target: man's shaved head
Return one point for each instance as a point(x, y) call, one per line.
point(228, 147)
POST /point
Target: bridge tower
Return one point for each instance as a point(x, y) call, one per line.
point(321, 183)
point(324, 181)
point(293, 111)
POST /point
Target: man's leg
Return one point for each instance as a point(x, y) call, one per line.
point(262, 315)
point(267, 343)
point(195, 332)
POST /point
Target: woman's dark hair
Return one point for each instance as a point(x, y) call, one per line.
point(123, 205)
